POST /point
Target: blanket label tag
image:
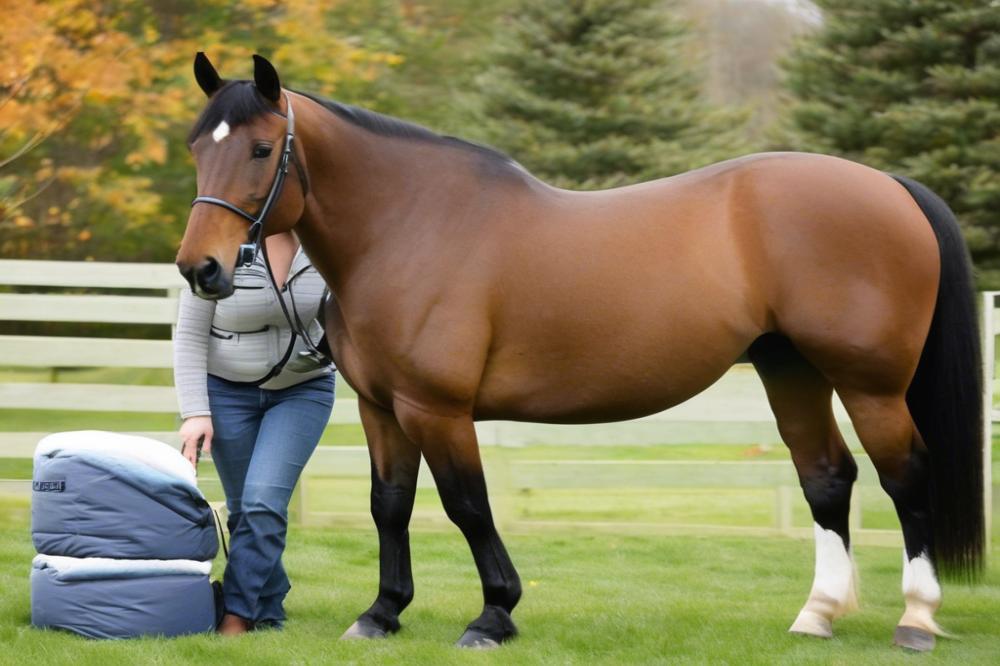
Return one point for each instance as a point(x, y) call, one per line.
point(48, 486)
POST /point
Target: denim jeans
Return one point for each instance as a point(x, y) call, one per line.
point(263, 439)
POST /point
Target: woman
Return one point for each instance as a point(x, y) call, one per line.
point(255, 397)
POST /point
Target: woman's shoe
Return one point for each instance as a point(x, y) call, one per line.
point(234, 625)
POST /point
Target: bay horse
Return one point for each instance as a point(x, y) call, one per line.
point(464, 289)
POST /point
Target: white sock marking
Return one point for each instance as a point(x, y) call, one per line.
point(221, 132)
point(834, 569)
point(922, 593)
point(919, 579)
point(834, 590)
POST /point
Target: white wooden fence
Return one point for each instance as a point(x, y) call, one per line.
point(734, 410)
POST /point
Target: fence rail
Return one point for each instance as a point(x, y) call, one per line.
point(734, 410)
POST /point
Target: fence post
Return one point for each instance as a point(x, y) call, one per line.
point(989, 369)
point(854, 517)
point(501, 488)
point(783, 508)
point(297, 504)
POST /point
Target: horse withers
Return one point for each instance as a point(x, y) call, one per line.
point(464, 289)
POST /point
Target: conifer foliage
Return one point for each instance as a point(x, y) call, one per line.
point(912, 87)
point(599, 93)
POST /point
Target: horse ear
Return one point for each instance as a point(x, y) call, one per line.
point(265, 77)
point(205, 74)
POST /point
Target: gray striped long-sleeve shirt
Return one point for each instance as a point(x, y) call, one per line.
point(244, 337)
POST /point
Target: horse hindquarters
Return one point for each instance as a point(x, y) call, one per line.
point(926, 443)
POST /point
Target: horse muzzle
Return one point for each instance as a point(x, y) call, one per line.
point(208, 280)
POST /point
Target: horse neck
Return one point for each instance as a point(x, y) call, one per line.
point(369, 192)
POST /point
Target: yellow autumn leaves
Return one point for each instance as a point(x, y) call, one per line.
point(96, 97)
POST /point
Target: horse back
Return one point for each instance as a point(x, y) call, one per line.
point(628, 301)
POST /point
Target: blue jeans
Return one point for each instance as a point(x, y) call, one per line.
point(263, 439)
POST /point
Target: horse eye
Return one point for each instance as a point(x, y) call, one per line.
point(261, 151)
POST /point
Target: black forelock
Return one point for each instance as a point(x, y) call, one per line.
point(237, 103)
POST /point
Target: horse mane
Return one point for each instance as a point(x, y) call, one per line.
point(383, 125)
point(238, 102)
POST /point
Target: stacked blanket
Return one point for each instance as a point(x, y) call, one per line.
point(124, 536)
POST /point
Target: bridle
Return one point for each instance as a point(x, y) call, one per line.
point(248, 251)
point(255, 234)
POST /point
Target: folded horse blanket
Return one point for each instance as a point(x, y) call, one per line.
point(108, 598)
point(124, 535)
point(101, 494)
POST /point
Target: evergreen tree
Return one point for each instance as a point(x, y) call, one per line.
point(599, 93)
point(910, 86)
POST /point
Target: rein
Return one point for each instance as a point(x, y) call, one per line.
point(255, 234)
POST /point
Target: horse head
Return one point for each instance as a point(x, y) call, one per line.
point(242, 147)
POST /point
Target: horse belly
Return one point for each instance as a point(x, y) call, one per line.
point(619, 317)
point(620, 368)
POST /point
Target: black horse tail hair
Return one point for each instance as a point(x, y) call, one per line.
point(946, 400)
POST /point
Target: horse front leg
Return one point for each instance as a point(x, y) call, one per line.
point(395, 464)
point(451, 449)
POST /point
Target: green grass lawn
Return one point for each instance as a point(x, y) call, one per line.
point(587, 599)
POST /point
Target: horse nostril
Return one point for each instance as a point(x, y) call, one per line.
point(209, 274)
point(210, 269)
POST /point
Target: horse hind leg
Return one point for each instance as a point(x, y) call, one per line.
point(801, 399)
point(886, 430)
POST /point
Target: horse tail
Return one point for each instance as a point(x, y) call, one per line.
point(946, 400)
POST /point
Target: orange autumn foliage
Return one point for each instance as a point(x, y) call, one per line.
point(96, 97)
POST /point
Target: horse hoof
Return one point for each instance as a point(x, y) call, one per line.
point(493, 627)
point(476, 640)
point(363, 630)
point(911, 638)
point(812, 624)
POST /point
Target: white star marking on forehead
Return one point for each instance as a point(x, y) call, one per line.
point(221, 132)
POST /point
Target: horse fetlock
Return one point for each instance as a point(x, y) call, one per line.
point(917, 628)
point(366, 628)
point(822, 608)
point(376, 622)
point(922, 594)
point(401, 596)
point(493, 627)
point(834, 591)
point(811, 623)
point(919, 614)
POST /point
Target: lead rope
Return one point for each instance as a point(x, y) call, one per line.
point(296, 324)
point(288, 156)
point(222, 533)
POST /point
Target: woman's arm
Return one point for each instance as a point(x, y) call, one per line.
point(194, 321)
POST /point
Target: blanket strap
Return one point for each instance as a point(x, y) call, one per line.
point(222, 533)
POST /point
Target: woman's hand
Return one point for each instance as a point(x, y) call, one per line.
point(192, 430)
